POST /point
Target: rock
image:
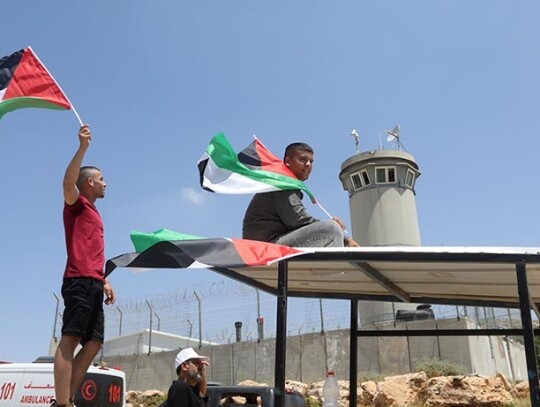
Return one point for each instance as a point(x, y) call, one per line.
point(507, 385)
point(521, 390)
point(403, 390)
point(300, 387)
point(132, 396)
point(144, 399)
point(472, 391)
point(366, 392)
point(151, 393)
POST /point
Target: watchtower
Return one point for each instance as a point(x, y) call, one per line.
point(383, 209)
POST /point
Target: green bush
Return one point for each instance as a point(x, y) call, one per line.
point(519, 403)
point(155, 400)
point(436, 367)
point(310, 402)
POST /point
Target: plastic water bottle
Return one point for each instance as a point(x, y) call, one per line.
point(330, 390)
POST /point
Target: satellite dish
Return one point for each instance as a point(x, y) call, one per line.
point(393, 135)
point(356, 136)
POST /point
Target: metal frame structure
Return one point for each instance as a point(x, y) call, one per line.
point(451, 276)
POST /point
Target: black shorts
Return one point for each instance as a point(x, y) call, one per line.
point(83, 309)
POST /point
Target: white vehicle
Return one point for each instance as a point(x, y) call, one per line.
point(32, 384)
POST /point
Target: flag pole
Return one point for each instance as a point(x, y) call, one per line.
point(324, 210)
point(77, 115)
point(328, 214)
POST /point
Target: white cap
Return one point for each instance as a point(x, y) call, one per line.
point(187, 354)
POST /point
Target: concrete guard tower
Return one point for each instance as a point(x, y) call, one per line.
point(383, 210)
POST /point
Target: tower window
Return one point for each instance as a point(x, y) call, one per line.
point(391, 175)
point(409, 179)
point(380, 175)
point(385, 175)
point(360, 179)
point(365, 177)
point(356, 181)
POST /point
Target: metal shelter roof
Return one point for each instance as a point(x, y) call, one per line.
point(482, 276)
point(438, 275)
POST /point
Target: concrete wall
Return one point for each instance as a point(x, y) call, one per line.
point(492, 354)
point(309, 355)
point(142, 342)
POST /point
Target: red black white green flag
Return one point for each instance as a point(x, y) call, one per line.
point(257, 157)
point(171, 250)
point(25, 82)
point(255, 169)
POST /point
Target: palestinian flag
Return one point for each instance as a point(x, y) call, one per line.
point(255, 169)
point(25, 82)
point(171, 250)
point(257, 157)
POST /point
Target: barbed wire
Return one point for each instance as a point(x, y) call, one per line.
point(183, 295)
point(222, 304)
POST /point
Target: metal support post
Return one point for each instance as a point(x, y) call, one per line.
point(353, 360)
point(528, 333)
point(281, 334)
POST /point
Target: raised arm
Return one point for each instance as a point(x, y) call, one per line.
point(71, 192)
point(203, 383)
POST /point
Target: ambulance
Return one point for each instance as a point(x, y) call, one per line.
point(32, 384)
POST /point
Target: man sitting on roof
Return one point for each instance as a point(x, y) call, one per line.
point(280, 217)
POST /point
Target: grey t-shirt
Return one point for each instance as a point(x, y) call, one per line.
point(273, 214)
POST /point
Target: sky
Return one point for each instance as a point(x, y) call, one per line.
point(156, 80)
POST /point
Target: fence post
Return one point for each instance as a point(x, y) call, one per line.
point(120, 325)
point(55, 317)
point(158, 321)
point(150, 332)
point(200, 319)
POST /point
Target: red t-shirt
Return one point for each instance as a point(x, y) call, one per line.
point(84, 240)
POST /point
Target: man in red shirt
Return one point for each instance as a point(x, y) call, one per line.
point(84, 283)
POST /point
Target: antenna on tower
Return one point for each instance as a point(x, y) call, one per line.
point(356, 136)
point(393, 136)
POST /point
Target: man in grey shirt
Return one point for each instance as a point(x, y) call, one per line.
point(280, 217)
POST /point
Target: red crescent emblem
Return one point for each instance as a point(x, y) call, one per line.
point(89, 390)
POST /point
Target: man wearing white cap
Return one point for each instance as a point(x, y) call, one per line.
point(190, 388)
